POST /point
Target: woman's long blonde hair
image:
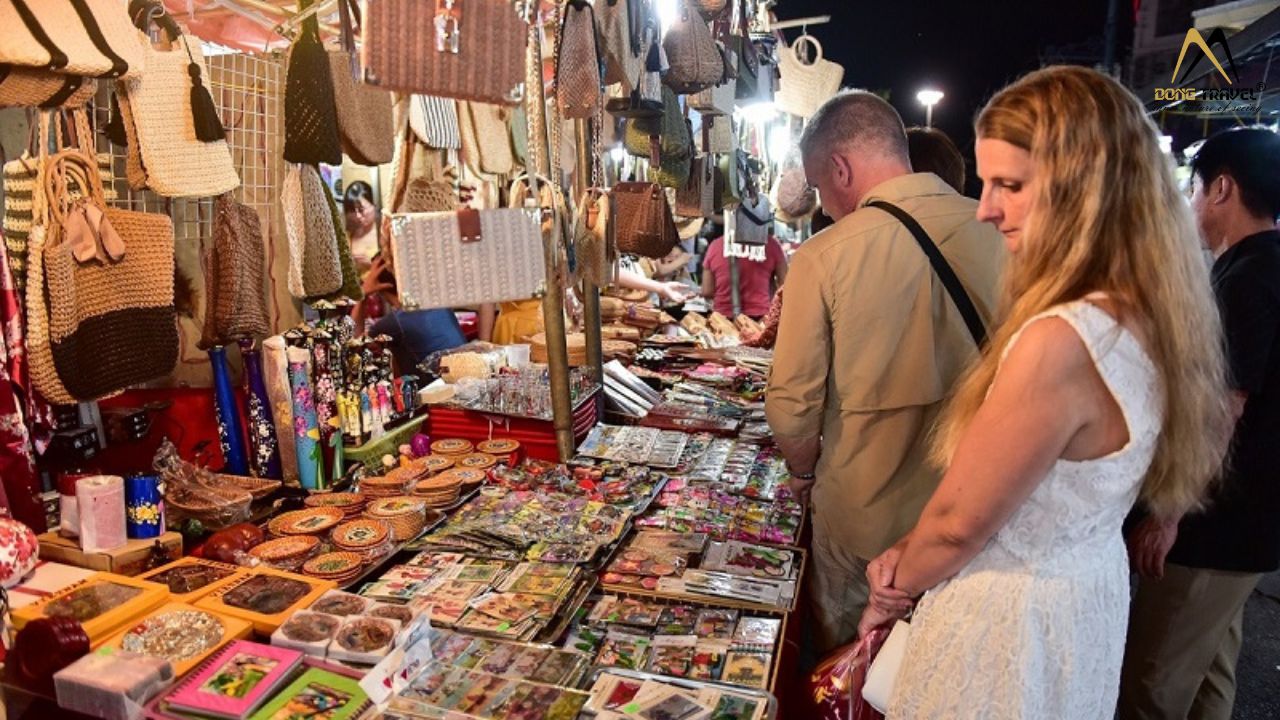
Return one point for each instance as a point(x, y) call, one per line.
point(1108, 216)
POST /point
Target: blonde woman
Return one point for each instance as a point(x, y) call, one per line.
point(1104, 382)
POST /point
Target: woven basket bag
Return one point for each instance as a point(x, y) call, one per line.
point(31, 87)
point(111, 317)
point(486, 146)
point(364, 112)
point(485, 65)
point(696, 63)
point(75, 37)
point(597, 256)
point(235, 287)
point(310, 114)
point(642, 222)
point(624, 42)
point(314, 265)
point(170, 159)
point(696, 198)
point(578, 80)
point(434, 121)
point(806, 86)
point(351, 286)
point(425, 195)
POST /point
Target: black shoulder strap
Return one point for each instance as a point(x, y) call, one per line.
point(943, 269)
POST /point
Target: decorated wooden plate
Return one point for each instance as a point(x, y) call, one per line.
point(333, 565)
point(311, 521)
point(434, 463)
point(285, 548)
point(477, 461)
point(400, 505)
point(360, 534)
point(500, 446)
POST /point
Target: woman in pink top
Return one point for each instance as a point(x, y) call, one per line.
point(757, 279)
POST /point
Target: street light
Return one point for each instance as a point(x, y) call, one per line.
point(929, 98)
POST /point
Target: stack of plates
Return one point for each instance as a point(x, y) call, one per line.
point(286, 553)
point(351, 504)
point(405, 515)
point(439, 491)
point(470, 478)
point(312, 521)
point(384, 486)
point(370, 539)
point(503, 449)
point(452, 447)
point(339, 567)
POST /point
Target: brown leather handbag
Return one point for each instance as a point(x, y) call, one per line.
point(642, 222)
point(234, 285)
point(696, 62)
point(578, 81)
point(464, 49)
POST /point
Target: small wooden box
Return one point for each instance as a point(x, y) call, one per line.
point(131, 559)
point(265, 622)
point(103, 604)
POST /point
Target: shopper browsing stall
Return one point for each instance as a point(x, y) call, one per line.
point(869, 344)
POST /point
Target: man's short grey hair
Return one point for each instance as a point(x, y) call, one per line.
point(856, 121)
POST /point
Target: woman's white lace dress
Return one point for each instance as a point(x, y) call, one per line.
point(1034, 626)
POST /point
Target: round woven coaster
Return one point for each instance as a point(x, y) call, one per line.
point(501, 446)
point(360, 534)
point(477, 461)
point(285, 548)
point(311, 521)
point(452, 446)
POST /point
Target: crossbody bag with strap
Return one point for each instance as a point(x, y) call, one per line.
point(942, 268)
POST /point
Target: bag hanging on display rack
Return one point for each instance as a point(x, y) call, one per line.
point(351, 286)
point(597, 255)
point(310, 113)
point(578, 79)
point(696, 198)
point(31, 87)
point(806, 86)
point(641, 220)
point(792, 195)
point(109, 280)
point(753, 220)
point(464, 49)
point(467, 257)
point(625, 39)
point(71, 37)
point(673, 137)
point(696, 63)
point(314, 266)
point(170, 122)
point(645, 98)
point(234, 286)
point(435, 121)
point(486, 146)
point(364, 112)
point(714, 101)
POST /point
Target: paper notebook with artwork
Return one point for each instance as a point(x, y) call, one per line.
point(317, 695)
point(236, 681)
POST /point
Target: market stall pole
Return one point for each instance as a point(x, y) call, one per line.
point(590, 293)
point(553, 301)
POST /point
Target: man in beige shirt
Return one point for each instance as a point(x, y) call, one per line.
point(869, 345)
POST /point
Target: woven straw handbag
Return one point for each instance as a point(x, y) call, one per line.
point(792, 195)
point(717, 135)
point(466, 257)
point(696, 197)
point(310, 114)
point(696, 63)
point(806, 86)
point(314, 265)
point(597, 256)
point(109, 280)
point(33, 87)
point(486, 147)
point(472, 50)
point(425, 195)
point(625, 39)
point(435, 121)
point(158, 117)
point(710, 9)
point(73, 37)
point(351, 286)
point(669, 138)
point(578, 80)
point(642, 222)
point(364, 112)
point(235, 284)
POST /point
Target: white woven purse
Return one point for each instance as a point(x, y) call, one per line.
point(56, 35)
point(877, 688)
point(806, 86)
point(435, 121)
point(177, 163)
point(454, 259)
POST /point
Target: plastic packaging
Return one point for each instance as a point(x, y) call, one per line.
point(836, 683)
point(114, 687)
point(193, 492)
point(100, 500)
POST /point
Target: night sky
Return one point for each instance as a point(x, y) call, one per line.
point(966, 49)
